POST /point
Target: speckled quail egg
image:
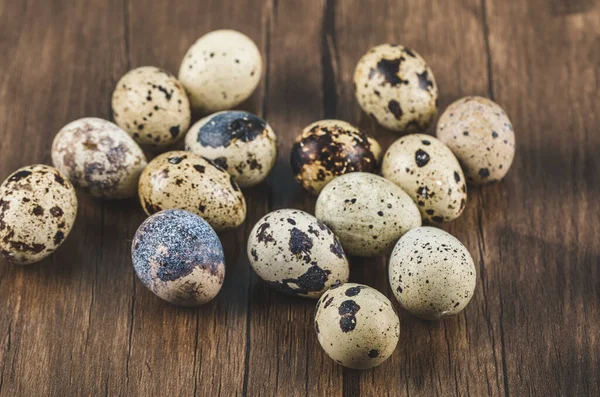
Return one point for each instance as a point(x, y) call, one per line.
point(367, 212)
point(428, 171)
point(432, 273)
point(356, 325)
point(329, 148)
point(99, 157)
point(240, 142)
point(296, 254)
point(38, 206)
point(187, 181)
point(152, 106)
point(480, 134)
point(396, 87)
point(221, 70)
point(178, 256)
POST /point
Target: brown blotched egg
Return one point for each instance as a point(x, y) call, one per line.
point(329, 148)
point(367, 212)
point(240, 142)
point(221, 70)
point(179, 257)
point(187, 181)
point(152, 106)
point(38, 206)
point(480, 134)
point(396, 87)
point(356, 325)
point(99, 157)
point(432, 273)
point(428, 171)
point(296, 254)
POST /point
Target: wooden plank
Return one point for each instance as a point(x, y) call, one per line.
point(65, 320)
point(195, 351)
point(462, 355)
point(545, 74)
point(284, 355)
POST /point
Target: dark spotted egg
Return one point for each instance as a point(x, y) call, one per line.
point(329, 148)
point(296, 254)
point(428, 171)
point(367, 212)
point(480, 134)
point(152, 106)
point(38, 206)
point(396, 87)
point(99, 157)
point(432, 273)
point(356, 325)
point(178, 256)
point(187, 181)
point(240, 142)
point(221, 70)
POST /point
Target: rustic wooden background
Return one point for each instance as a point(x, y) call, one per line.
point(80, 323)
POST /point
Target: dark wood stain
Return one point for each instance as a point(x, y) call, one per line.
point(84, 325)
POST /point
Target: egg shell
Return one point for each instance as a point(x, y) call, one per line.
point(366, 212)
point(38, 206)
point(151, 105)
point(329, 148)
point(356, 325)
point(396, 87)
point(296, 254)
point(240, 142)
point(178, 256)
point(221, 70)
point(432, 273)
point(187, 181)
point(428, 171)
point(480, 134)
point(99, 158)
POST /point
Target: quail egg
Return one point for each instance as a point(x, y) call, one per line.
point(38, 206)
point(396, 87)
point(221, 70)
point(187, 181)
point(178, 256)
point(99, 157)
point(296, 254)
point(329, 148)
point(428, 171)
point(241, 143)
point(356, 325)
point(367, 212)
point(480, 134)
point(152, 106)
point(432, 273)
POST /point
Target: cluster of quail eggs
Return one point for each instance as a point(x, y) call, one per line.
point(190, 195)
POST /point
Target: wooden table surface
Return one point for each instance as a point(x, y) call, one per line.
point(80, 323)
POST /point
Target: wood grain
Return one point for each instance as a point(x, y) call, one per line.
point(80, 323)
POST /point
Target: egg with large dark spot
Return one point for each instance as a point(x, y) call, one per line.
point(296, 254)
point(329, 148)
point(367, 212)
point(220, 70)
point(356, 325)
point(38, 206)
point(432, 273)
point(152, 106)
point(178, 256)
point(427, 170)
point(480, 134)
point(240, 142)
point(99, 158)
point(187, 181)
point(396, 87)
